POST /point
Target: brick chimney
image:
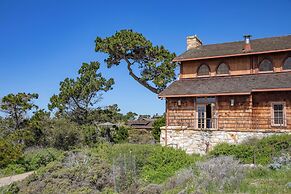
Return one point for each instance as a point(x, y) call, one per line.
point(193, 42)
point(247, 45)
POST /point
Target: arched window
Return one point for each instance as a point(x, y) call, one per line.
point(266, 65)
point(287, 64)
point(203, 70)
point(222, 69)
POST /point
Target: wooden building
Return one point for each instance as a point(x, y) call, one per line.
point(141, 123)
point(244, 85)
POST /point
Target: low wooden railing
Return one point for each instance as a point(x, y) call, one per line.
point(233, 123)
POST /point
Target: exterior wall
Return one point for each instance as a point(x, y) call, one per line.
point(176, 114)
point(249, 111)
point(262, 108)
point(238, 65)
point(237, 116)
point(199, 142)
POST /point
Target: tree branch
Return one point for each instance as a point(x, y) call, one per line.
point(144, 83)
point(75, 101)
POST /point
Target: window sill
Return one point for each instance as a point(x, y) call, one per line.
point(262, 72)
point(203, 76)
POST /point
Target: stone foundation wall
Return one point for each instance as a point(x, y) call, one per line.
point(201, 141)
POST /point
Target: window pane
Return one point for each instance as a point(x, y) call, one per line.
point(222, 69)
point(287, 63)
point(278, 107)
point(203, 70)
point(266, 65)
point(278, 112)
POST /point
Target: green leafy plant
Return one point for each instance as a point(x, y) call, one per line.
point(9, 152)
point(257, 151)
point(63, 134)
point(156, 132)
point(154, 163)
point(40, 157)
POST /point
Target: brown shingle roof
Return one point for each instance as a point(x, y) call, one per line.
point(262, 45)
point(243, 84)
point(143, 123)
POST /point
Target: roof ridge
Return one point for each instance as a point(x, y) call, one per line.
point(241, 41)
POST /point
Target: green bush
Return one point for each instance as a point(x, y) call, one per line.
point(23, 137)
point(121, 134)
point(256, 151)
point(156, 132)
point(90, 135)
point(12, 169)
point(114, 134)
point(245, 153)
point(63, 134)
point(154, 163)
point(31, 160)
point(40, 157)
point(164, 162)
point(75, 172)
point(9, 152)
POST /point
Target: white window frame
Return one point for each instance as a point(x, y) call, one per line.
point(273, 116)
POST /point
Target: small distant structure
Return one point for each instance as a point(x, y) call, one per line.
point(143, 122)
point(107, 125)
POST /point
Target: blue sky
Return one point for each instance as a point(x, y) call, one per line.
point(44, 41)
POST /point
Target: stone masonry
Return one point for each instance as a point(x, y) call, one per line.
point(201, 141)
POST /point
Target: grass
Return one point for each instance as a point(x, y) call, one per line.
point(264, 180)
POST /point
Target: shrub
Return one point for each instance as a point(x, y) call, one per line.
point(278, 162)
point(256, 151)
point(180, 179)
point(63, 134)
point(10, 189)
point(90, 135)
point(76, 172)
point(31, 160)
point(124, 173)
point(9, 152)
point(151, 189)
point(12, 169)
point(40, 157)
point(154, 163)
point(164, 162)
point(140, 136)
point(23, 137)
point(156, 132)
point(114, 134)
point(219, 174)
point(120, 134)
point(241, 151)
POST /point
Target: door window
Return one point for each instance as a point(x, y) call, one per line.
point(201, 116)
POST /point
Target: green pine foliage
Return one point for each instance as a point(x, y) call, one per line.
point(154, 65)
